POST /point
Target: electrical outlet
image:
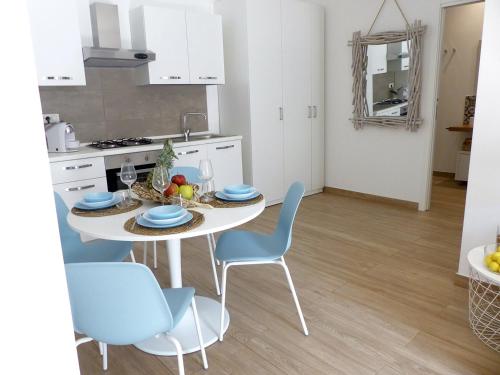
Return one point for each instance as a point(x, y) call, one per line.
point(53, 117)
point(391, 85)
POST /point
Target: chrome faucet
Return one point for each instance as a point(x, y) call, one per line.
point(185, 130)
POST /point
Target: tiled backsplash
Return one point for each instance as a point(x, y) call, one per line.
point(113, 106)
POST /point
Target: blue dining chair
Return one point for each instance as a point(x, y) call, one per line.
point(241, 248)
point(76, 251)
point(192, 176)
point(122, 304)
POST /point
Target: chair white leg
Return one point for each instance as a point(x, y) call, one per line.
point(198, 331)
point(145, 256)
point(83, 340)
point(223, 300)
point(212, 238)
point(296, 300)
point(155, 258)
point(178, 348)
point(214, 268)
point(101, 350)
point(132, 256)
point(104, 356)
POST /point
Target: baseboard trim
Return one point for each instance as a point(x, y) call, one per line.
point(370, 197)
point(461, 281)
point(443, 174)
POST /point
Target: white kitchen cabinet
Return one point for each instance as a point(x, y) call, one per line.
point(72, 192)
point(405, 61)
point(163, 31)
point(190, 156)
point(226, 163)
point(274, 94)
point(76, 170)
point(56, 42)
point(205, 48)
point(377, 59)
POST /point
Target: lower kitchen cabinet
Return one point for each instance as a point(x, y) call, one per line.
point(190, 156)
point(226, 162)
point(72, 192)
point(462, 166)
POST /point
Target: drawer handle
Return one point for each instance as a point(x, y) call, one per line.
point(79, 188)
point(208, 77)
point(224, 147)
point(65, 78)
point(188, 152)
point(73, 167)
point(171, 77)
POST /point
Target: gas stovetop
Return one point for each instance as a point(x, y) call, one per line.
point(122, 142)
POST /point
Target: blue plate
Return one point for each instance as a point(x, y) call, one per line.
point(97, 197)
point(224, 197)
point(98, 205)
point(239, 196)
point(238, 189)
point(145, 223)
point(165, 212)
point(172, 220)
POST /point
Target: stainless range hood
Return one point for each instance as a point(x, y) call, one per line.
point(107, 51)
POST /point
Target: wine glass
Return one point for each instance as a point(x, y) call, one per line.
point(206, 175)
point(128, 176)
point(160, 179)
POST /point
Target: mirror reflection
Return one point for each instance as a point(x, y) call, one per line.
point(387, 79)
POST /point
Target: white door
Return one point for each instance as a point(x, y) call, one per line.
point(318, 97)
point(190, 156)
point(226, 163)
point(72, 192)
point(205, 48)
point(56, 42)
point(163, 31)
point(297, 91)
point(266, 96)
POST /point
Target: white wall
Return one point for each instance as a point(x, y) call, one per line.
point(462, 30)
point(35, 325)
point(482, 207)
point(386, 162)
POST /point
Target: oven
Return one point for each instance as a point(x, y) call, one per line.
point(143, 161)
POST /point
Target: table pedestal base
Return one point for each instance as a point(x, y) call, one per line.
point(185, 331)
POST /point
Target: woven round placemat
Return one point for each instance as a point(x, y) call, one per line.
point(219, 203)
point(132, 227)
point(110, 211)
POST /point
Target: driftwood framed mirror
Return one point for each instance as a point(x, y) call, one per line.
point(387, 78)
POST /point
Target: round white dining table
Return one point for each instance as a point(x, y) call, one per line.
point(216, 220)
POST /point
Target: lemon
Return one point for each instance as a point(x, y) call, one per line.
point(488, 259)
point(496, 257)
point(494, 266)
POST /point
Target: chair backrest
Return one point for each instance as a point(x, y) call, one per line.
point(283, 232)
point(117, 303)
point(192, 174)
point(70, 240)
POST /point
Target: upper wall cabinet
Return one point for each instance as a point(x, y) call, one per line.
point(206, 52)
point(56, 42)
point(188, 46)
point(163, 31)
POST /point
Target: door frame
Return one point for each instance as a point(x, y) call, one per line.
point(425, 204)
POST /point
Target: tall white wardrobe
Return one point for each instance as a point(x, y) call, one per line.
point(274, 91)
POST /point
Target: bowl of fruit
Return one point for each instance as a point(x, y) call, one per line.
point(492, 257)
point(178, 187)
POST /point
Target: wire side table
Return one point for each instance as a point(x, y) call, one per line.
point(484, 299)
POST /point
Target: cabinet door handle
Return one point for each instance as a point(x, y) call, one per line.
point(208, 77)
point(380, 69)
point(50, 78)
point(171, 77)
point(73, 167)
point(281, 113)
point(224, 147)
point(309, 113)
point(65, 78)
point(315, 111)
point(79, 188)
point(188, 152)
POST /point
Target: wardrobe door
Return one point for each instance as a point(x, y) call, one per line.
point(296, 18)
point(318, 97)
point(266, 101)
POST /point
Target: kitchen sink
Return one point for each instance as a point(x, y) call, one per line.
point(197, 137)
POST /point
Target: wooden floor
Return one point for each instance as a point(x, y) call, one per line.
point(376, 285)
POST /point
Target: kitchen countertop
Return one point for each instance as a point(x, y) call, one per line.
point(382, 107)
point(89, 152)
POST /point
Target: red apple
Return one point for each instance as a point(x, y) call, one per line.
point(173, 189)
point(179, 180)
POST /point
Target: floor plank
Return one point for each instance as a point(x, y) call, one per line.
point(376, 285)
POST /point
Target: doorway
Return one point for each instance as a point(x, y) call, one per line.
point(461, 35)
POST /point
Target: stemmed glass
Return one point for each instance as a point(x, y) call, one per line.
point(206, 175)
point(160, 179)
point(128, 176)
